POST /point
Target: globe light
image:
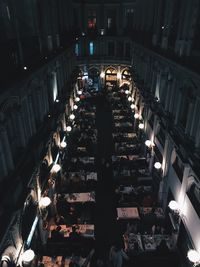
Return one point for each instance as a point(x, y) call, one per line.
point(44, 202)
point(136, 116)
point(79, 92)
point(75, 107)
point(56, 168)
point(69, 128)
point(63, 144)
point(193, 256)
point(133, 106)
point(57, 100)
point(127, 92)
point(173, 205)
point(157, 165)
point(141, 125)
point(129, 98)
point(148, 143)
point(102, 75)
point(72, 117)
point(28, 255)
point(77, 99)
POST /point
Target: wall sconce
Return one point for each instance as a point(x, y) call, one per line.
point(133, 106)
point(44, 202)
point(69, 128)
point(79, 92)
point(75, 107)
point(129, 98)
point(194, 257)
point(27, 256)
point(136, 116)
point(77, 99)
point(72, 117)
point(63, 144)
point(157, 165)
point(56, 168)
point(141, 126)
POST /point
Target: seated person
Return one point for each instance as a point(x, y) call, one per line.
point(57, 234)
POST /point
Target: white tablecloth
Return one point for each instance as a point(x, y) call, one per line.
point(80, 197)
point(128, 213)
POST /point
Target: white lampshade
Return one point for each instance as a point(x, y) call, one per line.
point(173, 205)
point(141, 125)
point(130, 98)
point(133, 106)
point(44, 202)
point(148, 143)
point(157, 165)
point(136, 116)
point(127, 92)
point(72, 117)
point(69, 128)
point(63, 144)
point(79, 92)
point(193, 256)
point(28, 255)
point(77, 99)
point(56, 168)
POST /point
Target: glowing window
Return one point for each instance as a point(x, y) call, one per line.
point(91, 48)
point(77, 49)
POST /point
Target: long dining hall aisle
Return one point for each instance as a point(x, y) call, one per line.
point(105, 226)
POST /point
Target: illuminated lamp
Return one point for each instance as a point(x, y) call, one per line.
point(141, 126)
point(129, 98)
point(44, 202)
point(63, 144)
point(133, 106)
point(56, 168)
point(72, 117)
point(28, 256)
point(136, 116)
point(194, 257)
point(77, 99)
point(157, 165)
point(69, 128)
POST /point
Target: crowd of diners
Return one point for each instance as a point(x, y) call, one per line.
point(144, 227)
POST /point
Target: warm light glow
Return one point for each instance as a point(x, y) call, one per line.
point(157, 165)
point(148, 143)
point(63, 144)
point(72, 117)
point(173, 205)
point(133, 106)
point(57, 100)
point(25, 68)
point(129, 98)
point(28, 255)
point(44, 202)
point(56, 168)
point(141, 126)
point(136, 116)
point(77, 99)
point(79, 92)
point(127, 92)
point(69, 128)
point(193, 256)
point(75, 107)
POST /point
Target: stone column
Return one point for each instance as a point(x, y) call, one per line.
point(3, 165)
point(7, 148)
point(22, 135)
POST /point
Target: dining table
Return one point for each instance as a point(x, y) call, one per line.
point(128, 213)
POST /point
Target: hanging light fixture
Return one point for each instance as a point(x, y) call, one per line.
point(27, 256)
point(126, 92)
point(129, 98)
point(141, 126)
point(72, 117)
point(157, 165)
point(79, 92)
point(69, 128)
point(194, 256)
point(136, 116)
point(173, 205)
point(56, 168)
point(63, 144)
point(133, 106)
point(148, 143)
point(75, 107)
point(44, 202)
point(77, 99)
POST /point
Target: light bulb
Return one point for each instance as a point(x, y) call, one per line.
point(136, 116)
point(77, 99)
point(75, 107)
point(28, 255)
point(69, 128)
point(157, 165)
point(72, 117)
point(173, 205)
point(79, 92)
point(127, 92)
point(63, 144)
point(44, 202)
point(56, 168)
point(193, 256)
point(133, 106)
point(129, 98)
point(141, 125)
point(148, 143)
